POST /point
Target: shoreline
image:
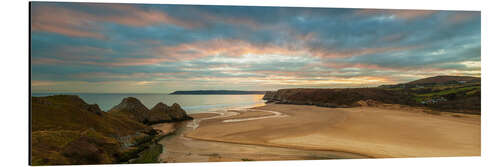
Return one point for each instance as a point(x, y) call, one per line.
point(368, 146)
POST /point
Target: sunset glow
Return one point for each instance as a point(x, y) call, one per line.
point(80, 47)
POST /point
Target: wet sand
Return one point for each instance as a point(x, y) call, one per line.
point(178, 148)
point(369, 131)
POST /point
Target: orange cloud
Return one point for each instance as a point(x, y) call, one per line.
point(231, 48)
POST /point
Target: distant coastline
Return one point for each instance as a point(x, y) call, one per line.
point(217, 92)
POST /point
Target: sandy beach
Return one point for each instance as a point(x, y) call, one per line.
point(379, 132)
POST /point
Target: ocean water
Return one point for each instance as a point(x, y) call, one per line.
point(190, 103)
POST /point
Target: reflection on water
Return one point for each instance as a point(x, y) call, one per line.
point(190, 103)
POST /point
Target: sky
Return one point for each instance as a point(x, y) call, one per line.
point(146, 48)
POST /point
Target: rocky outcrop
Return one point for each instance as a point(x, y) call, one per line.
point(163, 113)
point(132, 108)
point(135, 110)
point(177, 113)
point(346, 97)
point(270, 96)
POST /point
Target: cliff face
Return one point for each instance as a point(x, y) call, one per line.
point(348, 97)
point(269, 95)
point(66, 130)
point(135, 110)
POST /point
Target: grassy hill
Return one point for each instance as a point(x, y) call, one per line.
point(448, 93)
point(442, 93)
point(445, 80)
point(66, 130)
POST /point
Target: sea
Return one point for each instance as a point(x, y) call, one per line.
point(190, 103)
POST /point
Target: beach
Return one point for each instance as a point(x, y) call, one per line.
point(357, 132)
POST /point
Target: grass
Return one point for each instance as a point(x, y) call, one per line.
point(150, 155)
point(449, 91)
point(60, 120)
point(445, 90)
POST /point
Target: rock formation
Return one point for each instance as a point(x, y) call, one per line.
point(347, 97)
point(135, 110)
point(163, 113)
point(132, 108)
point(177, 113)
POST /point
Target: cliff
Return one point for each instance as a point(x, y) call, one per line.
point(347, 97)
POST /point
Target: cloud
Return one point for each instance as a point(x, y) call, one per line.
point(186, 46)
point(77, 22)
point(459, 17)
point(400, 14)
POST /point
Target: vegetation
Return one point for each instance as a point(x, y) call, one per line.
point(216, 92)
point(66, 130)
point(444, 93)
point(150, 155)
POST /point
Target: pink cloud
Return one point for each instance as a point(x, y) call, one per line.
point(47, 61)
point(108, 75)
point(81, 24)
point(461, 16)
point(402, 14)
point(64, 21)
point(231, 48)
point(358, 52)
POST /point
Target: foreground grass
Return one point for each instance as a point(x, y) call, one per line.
point(150, 150)
point(449, 91)
point(150, 155)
